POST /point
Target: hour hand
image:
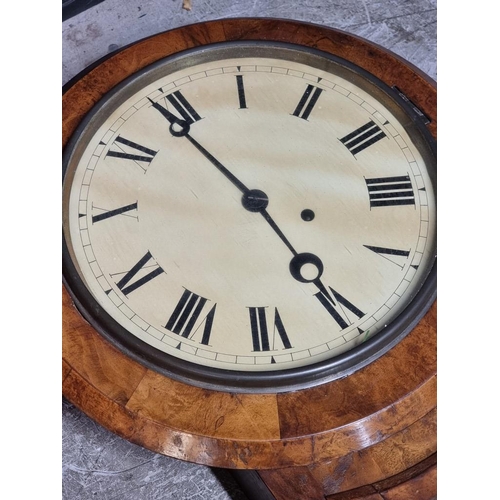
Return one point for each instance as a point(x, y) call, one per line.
point(178, 126)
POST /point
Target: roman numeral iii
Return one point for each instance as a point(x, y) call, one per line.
point(390, 191)
point(260, 333)
point(362, 137)
point(186, 314)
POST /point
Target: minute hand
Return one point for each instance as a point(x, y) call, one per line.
point(217, 164)
point(181, 128)
point(253, 200)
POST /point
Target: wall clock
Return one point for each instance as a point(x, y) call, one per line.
point(249, 249)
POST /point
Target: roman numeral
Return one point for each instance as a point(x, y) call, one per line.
point(138, 270)
point(362, 137)
point(388, 191)
point(125, 153)
point(260, 333)
point(307, 102)
point(186, 314)
point(241, 91)
point(112, 213)
point(338, 311)
point(180, 103)
point(391, 254)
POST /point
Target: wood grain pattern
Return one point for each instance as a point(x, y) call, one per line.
point(150, 408)
point(96, 360)
point(416, 483)
point(367, 391)
point(292, 482)
point(394, 455)
point(388, 405)
point(211, 413)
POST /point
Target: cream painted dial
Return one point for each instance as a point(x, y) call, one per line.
point(251, 209)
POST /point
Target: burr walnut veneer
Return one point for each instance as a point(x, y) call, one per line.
point(369, 435)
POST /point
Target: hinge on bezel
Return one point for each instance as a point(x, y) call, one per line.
point(412, 107)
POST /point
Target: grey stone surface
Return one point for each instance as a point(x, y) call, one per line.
point(408, 28)
point(96, 464)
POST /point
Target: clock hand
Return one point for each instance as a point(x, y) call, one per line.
point(185, 126)
point(183, 131)
point(300, 259)
point(314, 261)
point(256, 201)
point(253, 200)
point(219, 166)
point(277, 230)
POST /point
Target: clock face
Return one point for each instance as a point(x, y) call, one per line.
point(251, 214)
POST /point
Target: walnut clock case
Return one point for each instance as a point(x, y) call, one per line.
point(249, 251)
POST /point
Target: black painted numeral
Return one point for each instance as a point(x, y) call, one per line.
point(186, 314)
point(181, 104)
point(391, 254)
point(125, 152)
point(389, 191)
point(307, 102)
point(337, 310)
point(106, 214)
point(260, 332)
point(363, 137)
point(138, 270)
point(241, 92)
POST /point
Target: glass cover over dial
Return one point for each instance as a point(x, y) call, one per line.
point(251, 209)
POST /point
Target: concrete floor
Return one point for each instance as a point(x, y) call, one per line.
point(96, 464)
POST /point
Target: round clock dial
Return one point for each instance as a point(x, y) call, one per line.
point(251, 215)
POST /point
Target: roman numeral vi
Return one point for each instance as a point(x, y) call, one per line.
point(260, 333)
